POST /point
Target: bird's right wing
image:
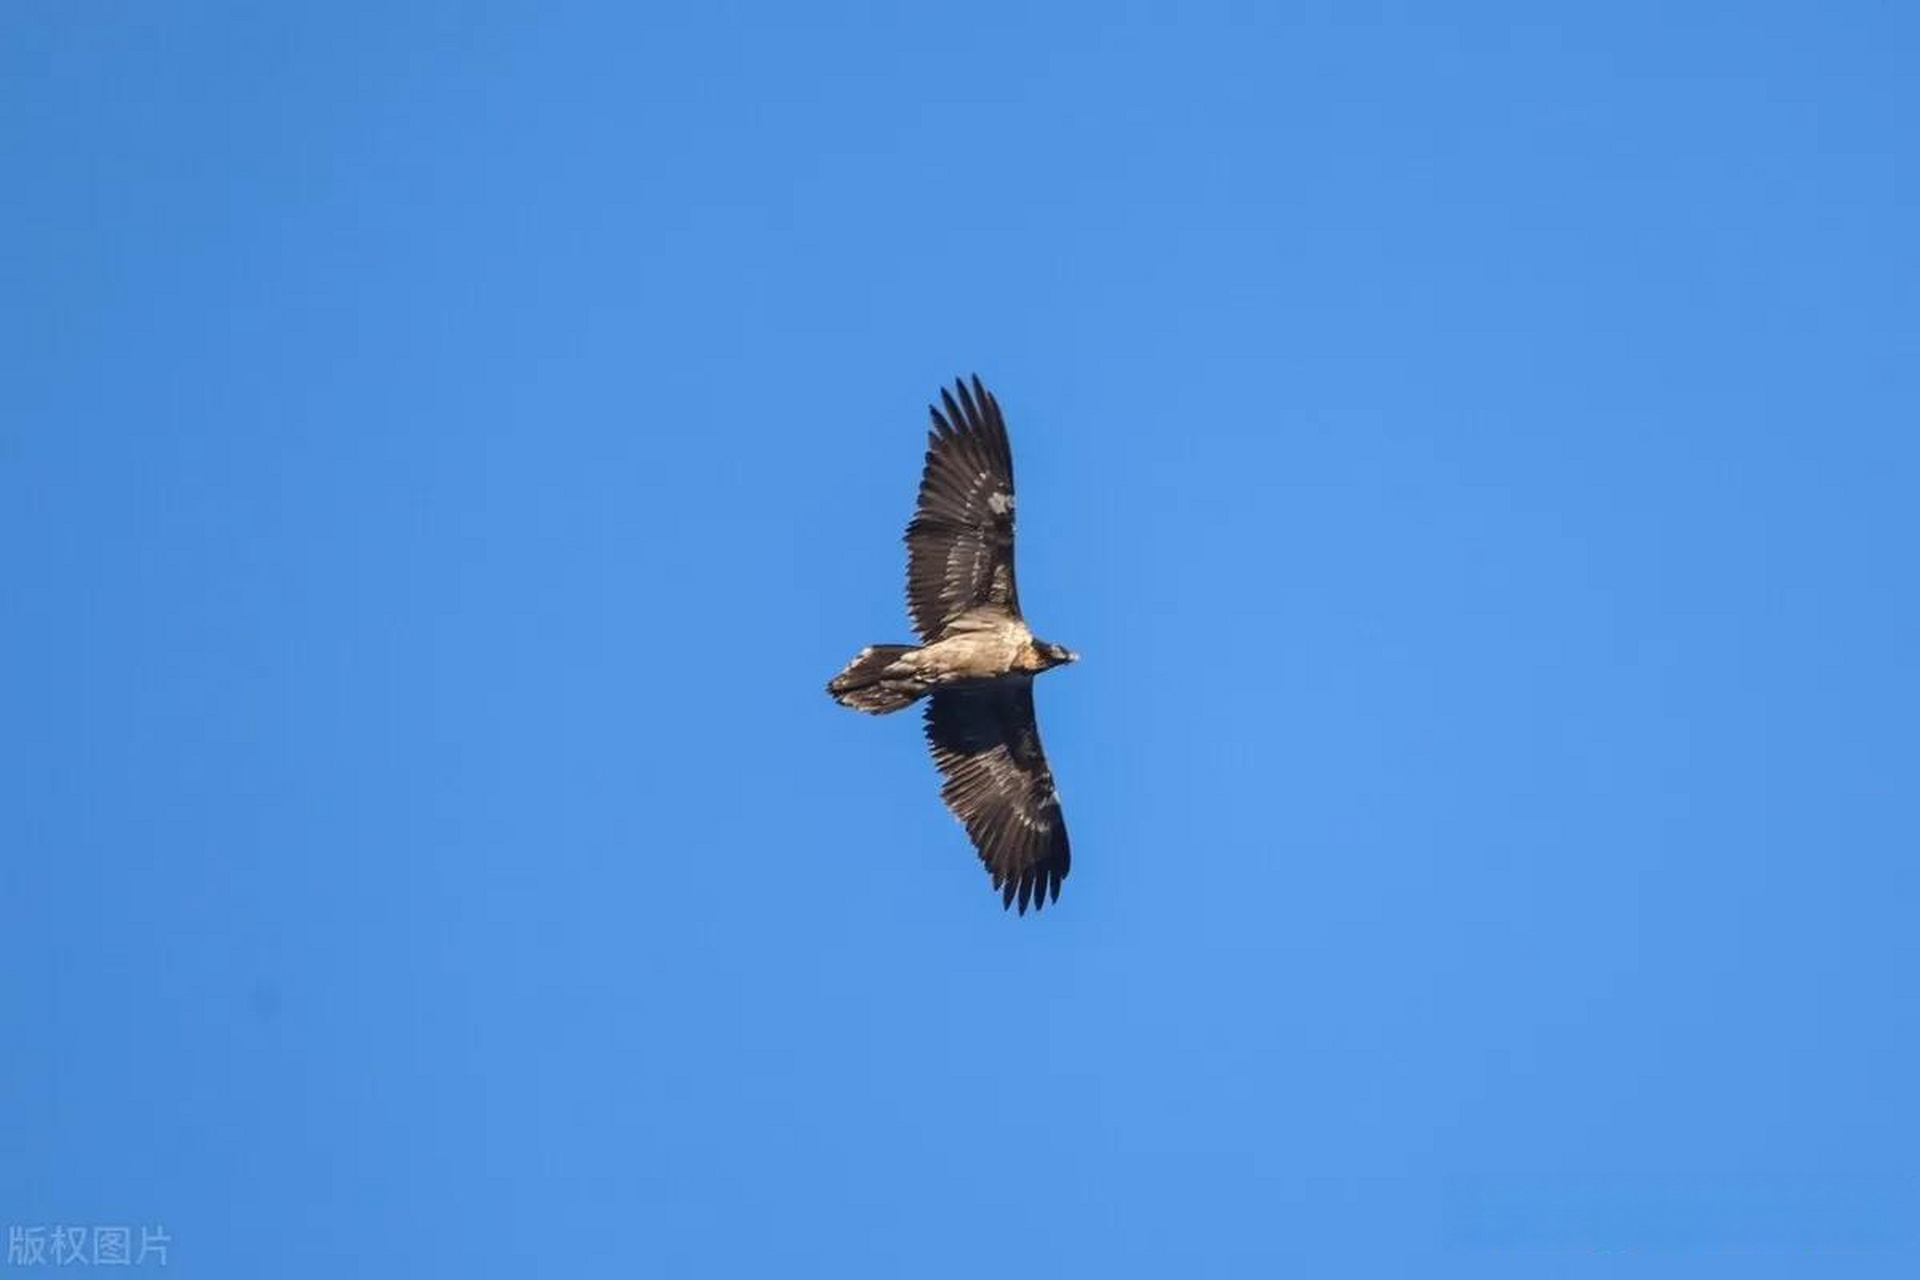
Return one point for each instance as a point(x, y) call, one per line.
point(986, 743)
point(960, 543)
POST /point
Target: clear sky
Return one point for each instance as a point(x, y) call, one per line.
point(444, 449)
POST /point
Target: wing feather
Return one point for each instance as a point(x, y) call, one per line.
point(960, 542)
point(986, 743)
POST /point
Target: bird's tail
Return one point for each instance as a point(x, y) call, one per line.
point(872, 684)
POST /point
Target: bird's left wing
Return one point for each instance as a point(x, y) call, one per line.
point(987, 745)
point(960, 544)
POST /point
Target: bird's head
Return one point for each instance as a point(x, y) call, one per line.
point(1056, 655)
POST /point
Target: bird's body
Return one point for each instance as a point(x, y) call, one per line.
point(985, 646)
point(977, 658)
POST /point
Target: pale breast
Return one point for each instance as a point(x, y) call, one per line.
point(976, 652)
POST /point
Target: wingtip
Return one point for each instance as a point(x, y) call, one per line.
point(954, 417)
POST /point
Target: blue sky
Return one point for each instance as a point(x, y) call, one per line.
point(444, 449)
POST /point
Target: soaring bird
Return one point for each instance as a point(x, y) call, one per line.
point(976, 661)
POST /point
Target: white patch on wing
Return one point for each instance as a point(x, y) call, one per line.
point(1000, 503)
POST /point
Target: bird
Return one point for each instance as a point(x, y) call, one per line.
point(977, 658)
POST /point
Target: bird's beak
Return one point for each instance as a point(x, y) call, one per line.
point(1072, 656)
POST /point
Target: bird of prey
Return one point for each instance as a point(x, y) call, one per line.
point(976, 661)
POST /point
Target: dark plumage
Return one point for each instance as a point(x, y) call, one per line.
point(977, 658)
point(960, 540)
